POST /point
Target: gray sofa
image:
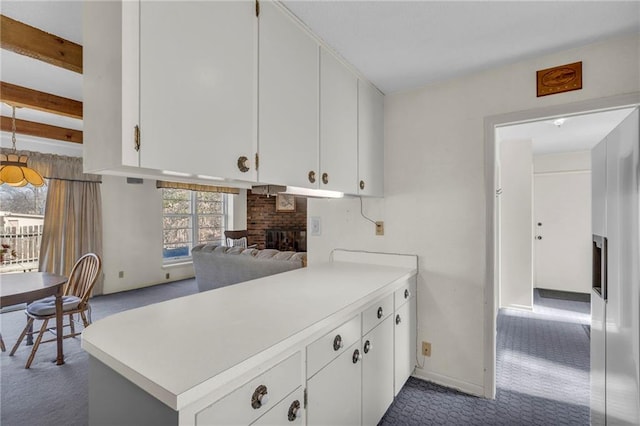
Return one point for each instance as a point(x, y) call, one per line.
point(218, 266)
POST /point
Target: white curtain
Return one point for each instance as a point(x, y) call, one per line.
point(73, 212)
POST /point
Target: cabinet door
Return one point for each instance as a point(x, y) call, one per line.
point(370, 140)
point(338, 125)
point(198, 87)
point(377, 372)
point(334, 393)
point(288, 100)
point(110, 84)
point(404, 343)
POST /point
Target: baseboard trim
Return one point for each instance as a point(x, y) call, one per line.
point(450, 382)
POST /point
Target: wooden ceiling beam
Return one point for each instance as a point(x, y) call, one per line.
point(41, 101)
point(42, 130)
point(35, 43)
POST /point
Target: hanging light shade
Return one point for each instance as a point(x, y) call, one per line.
point(14, 170)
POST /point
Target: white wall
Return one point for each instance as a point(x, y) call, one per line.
point(132, 235)
point(516, 268)
point(435, 193)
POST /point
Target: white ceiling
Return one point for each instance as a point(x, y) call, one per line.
point(398, 45)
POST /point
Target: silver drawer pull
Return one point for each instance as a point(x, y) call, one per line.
point(294, 411)
point(356, 356)
point(337, 342)
point(260, 397)
point(380, 312)
point(367, 347)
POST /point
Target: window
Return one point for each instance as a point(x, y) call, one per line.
point(191, 218)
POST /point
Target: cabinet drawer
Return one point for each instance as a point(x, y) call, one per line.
point(376, 314)
point(332, 344)
point(237, 408)
point(405, 293)
point(289, 411)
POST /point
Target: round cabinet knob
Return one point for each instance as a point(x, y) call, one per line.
point(325, 178)
point(380, 312)
point(539, 237)
point(312, 176)
point(398, 319)
point(295, 411)
point(337, 342)
point(356, 356)
point(243, 164)
point(367, 347)
point(407, 293)
point(361, 184)
point(260, 397)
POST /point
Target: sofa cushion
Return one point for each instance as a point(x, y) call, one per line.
point(218, 266)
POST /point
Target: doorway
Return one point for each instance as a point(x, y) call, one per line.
point(492, 289)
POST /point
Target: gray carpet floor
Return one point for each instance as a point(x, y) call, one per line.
point(542, 371)
point(542, 375)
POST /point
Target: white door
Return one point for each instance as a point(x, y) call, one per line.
point(287, 101)
point(198, 87)
point(377, 372)
point(405, 343)
point(562, 231)
point(370, 140)
point(338, 125)
point(334, 393)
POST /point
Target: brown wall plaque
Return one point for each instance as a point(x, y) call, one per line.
point(559, 79)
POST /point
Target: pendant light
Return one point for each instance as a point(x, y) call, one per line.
point(13, 167)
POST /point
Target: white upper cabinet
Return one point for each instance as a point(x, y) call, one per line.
point(338, 125)
point(201, 90)
point(370, 140)
point(288, 100)
point(198, 79)
point(110, 85)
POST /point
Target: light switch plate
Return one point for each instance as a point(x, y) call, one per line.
point(315, 226)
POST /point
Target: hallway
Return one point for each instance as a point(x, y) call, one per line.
point(542, 375)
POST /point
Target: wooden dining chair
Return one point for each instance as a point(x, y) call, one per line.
point(75, 300)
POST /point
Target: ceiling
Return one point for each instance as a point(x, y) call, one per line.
point(398, 45)
point(577, 133)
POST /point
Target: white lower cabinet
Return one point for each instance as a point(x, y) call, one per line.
point(404, 343)
point(377, 372)
point(255, 398)
point(334, 393)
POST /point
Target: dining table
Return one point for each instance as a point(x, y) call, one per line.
point(27, 287)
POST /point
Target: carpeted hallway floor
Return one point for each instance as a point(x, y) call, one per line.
point(542, 375)
point(542, 371)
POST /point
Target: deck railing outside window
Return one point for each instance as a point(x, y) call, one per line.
point(25, 241)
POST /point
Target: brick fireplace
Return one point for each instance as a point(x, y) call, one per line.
point(262, 217)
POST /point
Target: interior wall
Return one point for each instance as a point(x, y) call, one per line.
point(435, 200)
point(516, 266)
point(132, 235)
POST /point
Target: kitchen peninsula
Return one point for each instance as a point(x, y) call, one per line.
point(330, 343)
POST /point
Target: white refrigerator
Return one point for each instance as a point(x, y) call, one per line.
point(615, 298)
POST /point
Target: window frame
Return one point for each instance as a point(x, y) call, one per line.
point(193, 216)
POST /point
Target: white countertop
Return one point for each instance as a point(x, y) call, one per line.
point(181, 349)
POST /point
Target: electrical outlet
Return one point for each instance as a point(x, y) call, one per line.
point(121, 274)
point(380, 228)
point(426, 348)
